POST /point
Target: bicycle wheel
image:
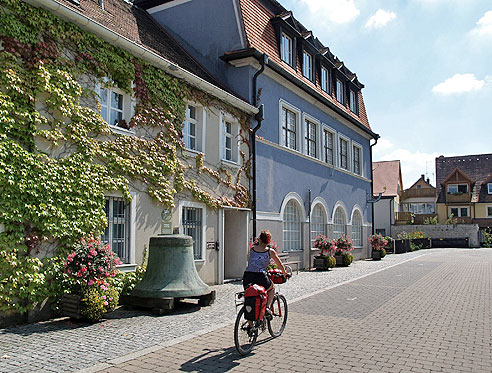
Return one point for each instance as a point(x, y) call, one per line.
point(276, 325)
point(244, 335)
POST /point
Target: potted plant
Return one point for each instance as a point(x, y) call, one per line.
point(390, 246)
point(87, 269)
point(402, 243)
point(378, 244)
point(343, 247)
point(419, 240)
point(324, 260)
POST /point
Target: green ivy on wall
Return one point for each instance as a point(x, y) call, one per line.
point(58, 156)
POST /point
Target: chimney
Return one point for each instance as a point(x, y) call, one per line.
point(422, 177)
point(428, 181)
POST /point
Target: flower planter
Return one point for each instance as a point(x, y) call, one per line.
point(402, 246)
point(376, 254)
point(70, 305)
point(422, 243)
point(323, 263)
point(340, 262)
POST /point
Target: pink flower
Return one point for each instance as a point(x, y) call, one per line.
point(105, 303)
point(91, 282)
point(103, 297)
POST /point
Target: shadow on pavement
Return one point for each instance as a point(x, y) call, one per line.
point(210, 361)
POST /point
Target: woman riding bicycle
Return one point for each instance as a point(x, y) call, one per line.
point(259, 258)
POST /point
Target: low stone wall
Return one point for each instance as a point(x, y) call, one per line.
point(442, 231)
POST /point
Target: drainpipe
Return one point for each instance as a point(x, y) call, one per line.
point(309, 228)
point(260, 116)
point(372, 182)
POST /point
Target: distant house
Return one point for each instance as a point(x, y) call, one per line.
point(464, 189)
point(387, 183)
point(419, 200)
point(313, 144)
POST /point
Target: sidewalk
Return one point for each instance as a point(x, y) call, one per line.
point(60, 346)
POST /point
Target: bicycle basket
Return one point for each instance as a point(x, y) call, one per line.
point(276, 276)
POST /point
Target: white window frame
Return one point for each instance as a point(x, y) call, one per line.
point(339, 155)
point(336, 224)
point(358, 146)
point(356, 234)
point(457, 188)
point(132, 221)
point(306, 118)
point(127, 111)
point(234, 136)
point(353, 101)
point(325, 79)
point(335, 147)
point(315, 231)
point(203, 207)
point(286, 242)
point(287, 56)
point(200, 131)
point(459, 211)
point(299, 138)
point(487, 211)
point(307, 65)
point(489, 188)
point(340, 91)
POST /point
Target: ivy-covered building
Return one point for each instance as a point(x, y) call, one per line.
point(108, 127)
point(314, 145)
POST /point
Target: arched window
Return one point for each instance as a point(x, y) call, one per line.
point(292, 227)
point(339, 222)
point(357, 229)
point(318, 222)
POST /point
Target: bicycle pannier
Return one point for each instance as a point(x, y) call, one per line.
point(276, 276)
point(255, 299)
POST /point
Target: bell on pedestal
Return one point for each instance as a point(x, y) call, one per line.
point(170, 274)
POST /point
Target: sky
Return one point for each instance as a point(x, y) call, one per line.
point(427, 70)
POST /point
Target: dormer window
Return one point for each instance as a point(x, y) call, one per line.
point(340, 91)
point(353, 102)
point(457, 188)
point(307, 65)
point(325, 79)
point(286, 49)
point(489, 188)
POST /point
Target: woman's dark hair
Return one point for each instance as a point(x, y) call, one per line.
point(265, 236)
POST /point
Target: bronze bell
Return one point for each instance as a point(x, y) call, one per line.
point(171, 271)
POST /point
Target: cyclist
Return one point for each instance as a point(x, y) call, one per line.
point(259, 258)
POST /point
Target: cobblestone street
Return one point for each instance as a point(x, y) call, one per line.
point(424, 311)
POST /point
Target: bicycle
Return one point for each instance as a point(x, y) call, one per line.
point(246, 332)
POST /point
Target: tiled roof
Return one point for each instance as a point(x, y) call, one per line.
point(386, 176)
point(477, 167)
point(422, 182)
point(139, 27)
point(260, 35)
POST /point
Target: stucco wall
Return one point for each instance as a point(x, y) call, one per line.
point(442, 231)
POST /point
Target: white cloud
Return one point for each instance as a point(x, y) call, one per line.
point(380, 19)
point(458, 83)
point(336, 11)
point(413, 164)
point(484, 26)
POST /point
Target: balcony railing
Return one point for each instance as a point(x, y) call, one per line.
point(464, 220)
point(418, 193)
point(421, 218)
point(458, 198)
point(403, 217)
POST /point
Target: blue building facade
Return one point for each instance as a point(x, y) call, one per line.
point(313, 147)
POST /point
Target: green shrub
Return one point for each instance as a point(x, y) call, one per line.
point(347, 259)
point(99, 299)
point(431, 220)
point(330, 262)
point(383, 253)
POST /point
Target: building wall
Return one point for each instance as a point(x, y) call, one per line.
point(384, 214)
point(481, 210)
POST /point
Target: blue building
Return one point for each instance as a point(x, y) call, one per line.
point(313, 143)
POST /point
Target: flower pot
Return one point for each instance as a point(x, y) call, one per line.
point(339, 259)
point(376, 254)
point(402, 246)
point(70, 305)
point(422, 243)
point(323, 263)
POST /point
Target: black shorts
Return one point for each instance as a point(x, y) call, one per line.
point(259, 278)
